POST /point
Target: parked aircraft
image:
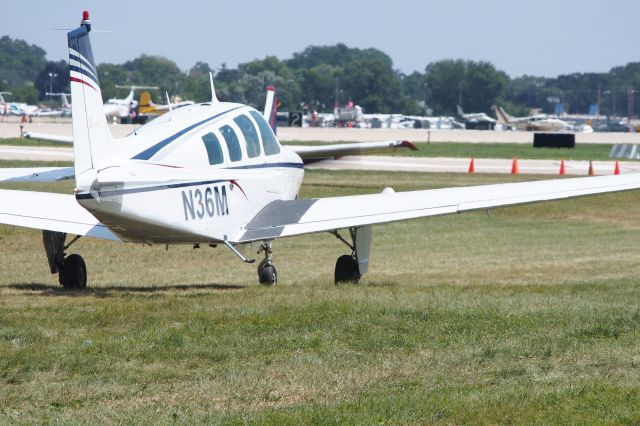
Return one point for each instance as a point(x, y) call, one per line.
point(478, 120)
point(540, 122)
point(120, 109)
point(215, 173)
point(4, 106)
point(65, 106)
point(147, 109)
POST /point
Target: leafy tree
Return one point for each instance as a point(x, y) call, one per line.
point(473, 85)
point(19, 62)
point(25, 93)
point(58, 82)
point(111, 75)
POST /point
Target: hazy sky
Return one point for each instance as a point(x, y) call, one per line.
point(543, 37)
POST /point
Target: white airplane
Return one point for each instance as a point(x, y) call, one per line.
point(4, 106)
point(64, 103)
point(215, 173)
point(148, 109)
point(21, 108)
point(477, 120)
point(541, 122)
point(120, 109)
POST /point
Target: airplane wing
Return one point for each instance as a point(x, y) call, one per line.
point(51, 212)
point(310, 153)
point(36, 174)
point(296, 217)
point(48, 137)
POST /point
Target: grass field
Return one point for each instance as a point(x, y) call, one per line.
point(528, 314)
point(595, 152)
point(31, 142)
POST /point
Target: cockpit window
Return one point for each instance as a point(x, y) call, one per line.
point(214, 150)
point(250, 135)
point(269, 141)
point(233, 144)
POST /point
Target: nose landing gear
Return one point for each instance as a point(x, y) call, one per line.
point(267, 274)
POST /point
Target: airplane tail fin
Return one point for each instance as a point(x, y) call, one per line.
point(271, 108)
point(502, 116)
point(92, 138)
point(145, 104)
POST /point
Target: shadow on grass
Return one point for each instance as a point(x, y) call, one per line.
point(53, 290)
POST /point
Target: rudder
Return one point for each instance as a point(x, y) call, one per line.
point(91, 135)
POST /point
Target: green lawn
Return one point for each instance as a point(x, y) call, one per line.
point(528, 314)
point(32, 142)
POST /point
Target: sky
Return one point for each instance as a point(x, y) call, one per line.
point(542, 38)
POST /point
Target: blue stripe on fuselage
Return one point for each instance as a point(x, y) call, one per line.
point(116, 192)
point(150, 152)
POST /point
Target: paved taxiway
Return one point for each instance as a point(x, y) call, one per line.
point(388, 163)
point(11, 129)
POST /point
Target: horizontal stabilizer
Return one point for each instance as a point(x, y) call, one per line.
point(51, 212)
point(36, 174)
point(310, 153)
point(48, 137)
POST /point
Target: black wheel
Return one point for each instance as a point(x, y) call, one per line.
point(347, 270)
point(267, 275)
point(73, 272)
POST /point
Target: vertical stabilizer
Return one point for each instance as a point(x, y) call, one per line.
point(271, 108)
point(502, 116)
point(91, 135)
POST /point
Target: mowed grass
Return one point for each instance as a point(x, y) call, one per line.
point(528, 314)
point(32, 142)
point(595, 152)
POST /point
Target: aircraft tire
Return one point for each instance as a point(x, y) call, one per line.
point(267, 275)
point(73, 273)
point(347, 270)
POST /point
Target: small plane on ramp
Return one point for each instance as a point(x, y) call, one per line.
point(533, 123)
point(215, 173)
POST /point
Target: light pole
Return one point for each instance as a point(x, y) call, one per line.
point(51, 75)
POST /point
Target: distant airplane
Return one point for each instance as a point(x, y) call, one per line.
point(4, 106)
point(541, 122)
point(215, 173)
point(120, 109)
point(479, 120)
point(147, 109)
point(64, 103)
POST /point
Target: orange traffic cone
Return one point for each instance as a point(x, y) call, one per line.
point(514, 166)
point(616, 170)
point(591, 171)
point(562, 170)
point(472, 166)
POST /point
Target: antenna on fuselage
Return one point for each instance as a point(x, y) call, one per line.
point(214, 99)
point(168, 101)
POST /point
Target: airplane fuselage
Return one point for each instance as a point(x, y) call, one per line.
point(215, 171)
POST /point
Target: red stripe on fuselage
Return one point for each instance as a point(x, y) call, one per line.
point(77, 80)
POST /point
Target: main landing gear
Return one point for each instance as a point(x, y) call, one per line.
point(350, 267)
point(71, 270)
point(267, 274)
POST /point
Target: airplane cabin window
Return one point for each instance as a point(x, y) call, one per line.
point(250, 135)
point(233, 144)
point(269, 141)
point(214, 150)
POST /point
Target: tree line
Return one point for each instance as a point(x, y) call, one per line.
point(319, 75)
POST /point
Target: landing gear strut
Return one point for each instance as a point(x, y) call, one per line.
point(350, 267)
point(267, 274)
point(72, 271)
